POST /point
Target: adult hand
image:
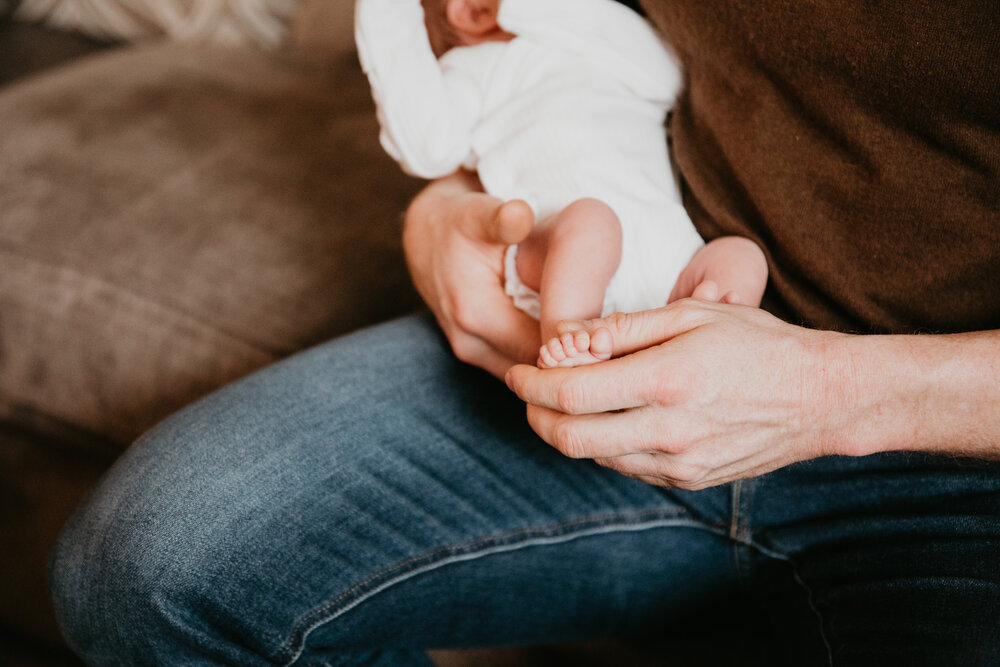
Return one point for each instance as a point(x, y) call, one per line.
point(705, 393)
point(455, 237)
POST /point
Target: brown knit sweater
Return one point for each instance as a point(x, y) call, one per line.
point(858, 142)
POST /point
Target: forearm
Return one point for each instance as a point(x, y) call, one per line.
point(936, 393)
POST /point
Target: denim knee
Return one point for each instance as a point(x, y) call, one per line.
point(99, 577)
point(121, 569)
point(212, 537)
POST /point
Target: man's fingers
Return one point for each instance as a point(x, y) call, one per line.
point(600, 436)
point(475, 351)
point(618, 384)
point(631, 332)
point(492, 317)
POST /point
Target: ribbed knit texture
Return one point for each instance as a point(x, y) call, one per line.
point(858, 142)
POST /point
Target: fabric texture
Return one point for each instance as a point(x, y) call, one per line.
point(192, 222)
point(858, 143)
point(262, 22)
point(572, 107)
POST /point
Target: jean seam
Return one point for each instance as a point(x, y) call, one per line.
point(812, 605)
point(741, 533)
point(739, 529)
point(475, 549)
point(810, 596)
point(736, 490)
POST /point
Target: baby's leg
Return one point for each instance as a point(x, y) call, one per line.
point(582, 249)
point(731, 269)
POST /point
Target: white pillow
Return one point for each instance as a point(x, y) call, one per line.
point(264, 22)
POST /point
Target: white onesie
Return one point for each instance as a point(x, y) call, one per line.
point(572, 107)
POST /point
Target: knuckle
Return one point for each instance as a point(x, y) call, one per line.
point(570, 398)
point(693, 313)
point(688, 478)
point(674, 385)
point(683, 485)
point(621, 323)
point(664, 390)
point(686, 310)
point(615, 464)
point(680, 445)
point(566, 438)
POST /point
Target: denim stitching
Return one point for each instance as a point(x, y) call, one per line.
point(736, 493)
point(469, 551)
point(745, 533)
point(815, 609)
point(527, 537)
point(734, 510)
point(771, 553)
point(740, 535)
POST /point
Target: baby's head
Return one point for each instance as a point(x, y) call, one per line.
point(452, 23)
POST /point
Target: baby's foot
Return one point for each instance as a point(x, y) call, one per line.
point(576, 348)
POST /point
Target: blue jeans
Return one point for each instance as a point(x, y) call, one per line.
point(373, 497)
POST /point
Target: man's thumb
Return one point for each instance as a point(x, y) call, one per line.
point(512, 222)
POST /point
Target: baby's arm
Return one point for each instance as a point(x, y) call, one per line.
point(426, 116)
point(602, 30)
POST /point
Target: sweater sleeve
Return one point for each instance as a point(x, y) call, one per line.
point(426, 115)
point(604, 31)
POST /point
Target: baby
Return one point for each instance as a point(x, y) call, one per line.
point(560, 104)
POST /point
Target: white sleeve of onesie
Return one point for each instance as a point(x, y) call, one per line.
point(603, 31)
point(426, 115)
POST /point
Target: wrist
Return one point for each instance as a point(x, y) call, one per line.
point(862, 410)
point(909, 393)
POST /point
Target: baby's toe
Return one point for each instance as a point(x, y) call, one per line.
point(568, 343)
point(545, 359)
point(602, 344)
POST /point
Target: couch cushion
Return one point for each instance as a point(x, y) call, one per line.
point(173, 218)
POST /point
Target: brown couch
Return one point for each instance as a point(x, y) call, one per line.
point(171, 218)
